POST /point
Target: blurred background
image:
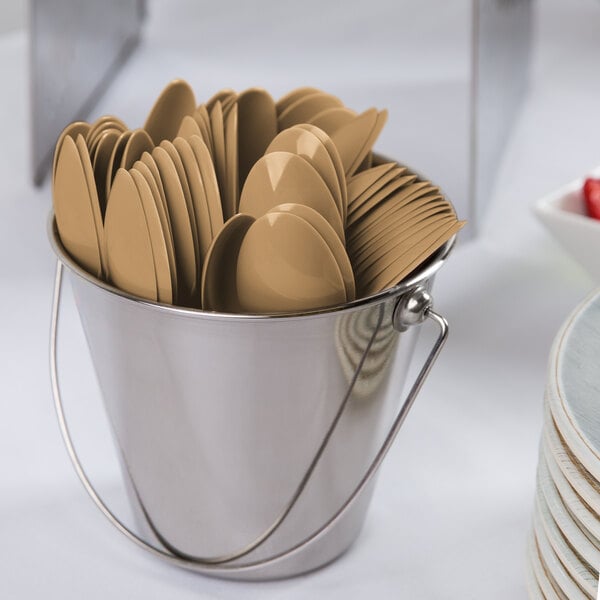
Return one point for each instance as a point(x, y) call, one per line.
point(497, 101)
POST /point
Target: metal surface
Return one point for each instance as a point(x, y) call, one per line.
point(86, 42)
point(75, 49)
point(249, 444)
point(499, 75)
point(412, 309)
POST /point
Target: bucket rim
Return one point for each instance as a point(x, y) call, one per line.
point(420, 274)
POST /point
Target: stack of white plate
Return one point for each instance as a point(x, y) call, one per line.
point(564, 549)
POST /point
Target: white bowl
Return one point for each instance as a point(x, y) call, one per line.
point(563, 213)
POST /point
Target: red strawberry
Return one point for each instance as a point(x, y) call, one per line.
point(591, 193)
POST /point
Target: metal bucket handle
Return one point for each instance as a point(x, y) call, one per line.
point(413, 306)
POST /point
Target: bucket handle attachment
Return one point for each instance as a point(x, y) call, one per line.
point(413, 307)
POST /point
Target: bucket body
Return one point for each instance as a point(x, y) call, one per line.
point(219, 418)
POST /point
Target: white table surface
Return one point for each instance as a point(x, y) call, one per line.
point(452, 509)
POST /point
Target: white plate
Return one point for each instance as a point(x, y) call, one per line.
point(554, 566)
point(539, 584)
point(563, 213)
point(578, 570)
point(562, 517)
point(573, 390)
point(582, 514)
point(579, 480)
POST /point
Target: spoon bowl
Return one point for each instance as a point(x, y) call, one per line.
point(283, 177)
point(306, 144)
point(284, 265)
point(219, 283)
point(175, 102)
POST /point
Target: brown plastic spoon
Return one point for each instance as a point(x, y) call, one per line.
point(155, 186)
point(369, 223)
point(160, 255)
point(128, 242)
point(284, 265)
point(361, 182)
point(306, 144)
point(396, 271)
point(385, 242)
point(232, 195)
point(332, 119)
point(228, 104)
point(183, 239)
point(202, 117)
point(189, 127)
point(97, 130)
point(187, 195)
point(293, 96)
point(72, 130)
point(104, 151)
point(220, 96)
point(88, 172)
point(209, 180)
point(312, 217)
point(149, 161)
point(73, 209)
point(335, 158)
point(257, 126)
point(305, 108)
point(363, 155)
point(401, 249)
point(219, 287)
point(281, 177)
point(137, 143)
point(395, 222)
point(198, 194)
point(378, 198)
point(175, 102)
point(218, 133)
point(114, 162)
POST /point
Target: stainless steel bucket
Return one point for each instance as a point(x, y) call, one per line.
point(249, 444)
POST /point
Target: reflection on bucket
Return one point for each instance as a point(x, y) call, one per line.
point(353, 334)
